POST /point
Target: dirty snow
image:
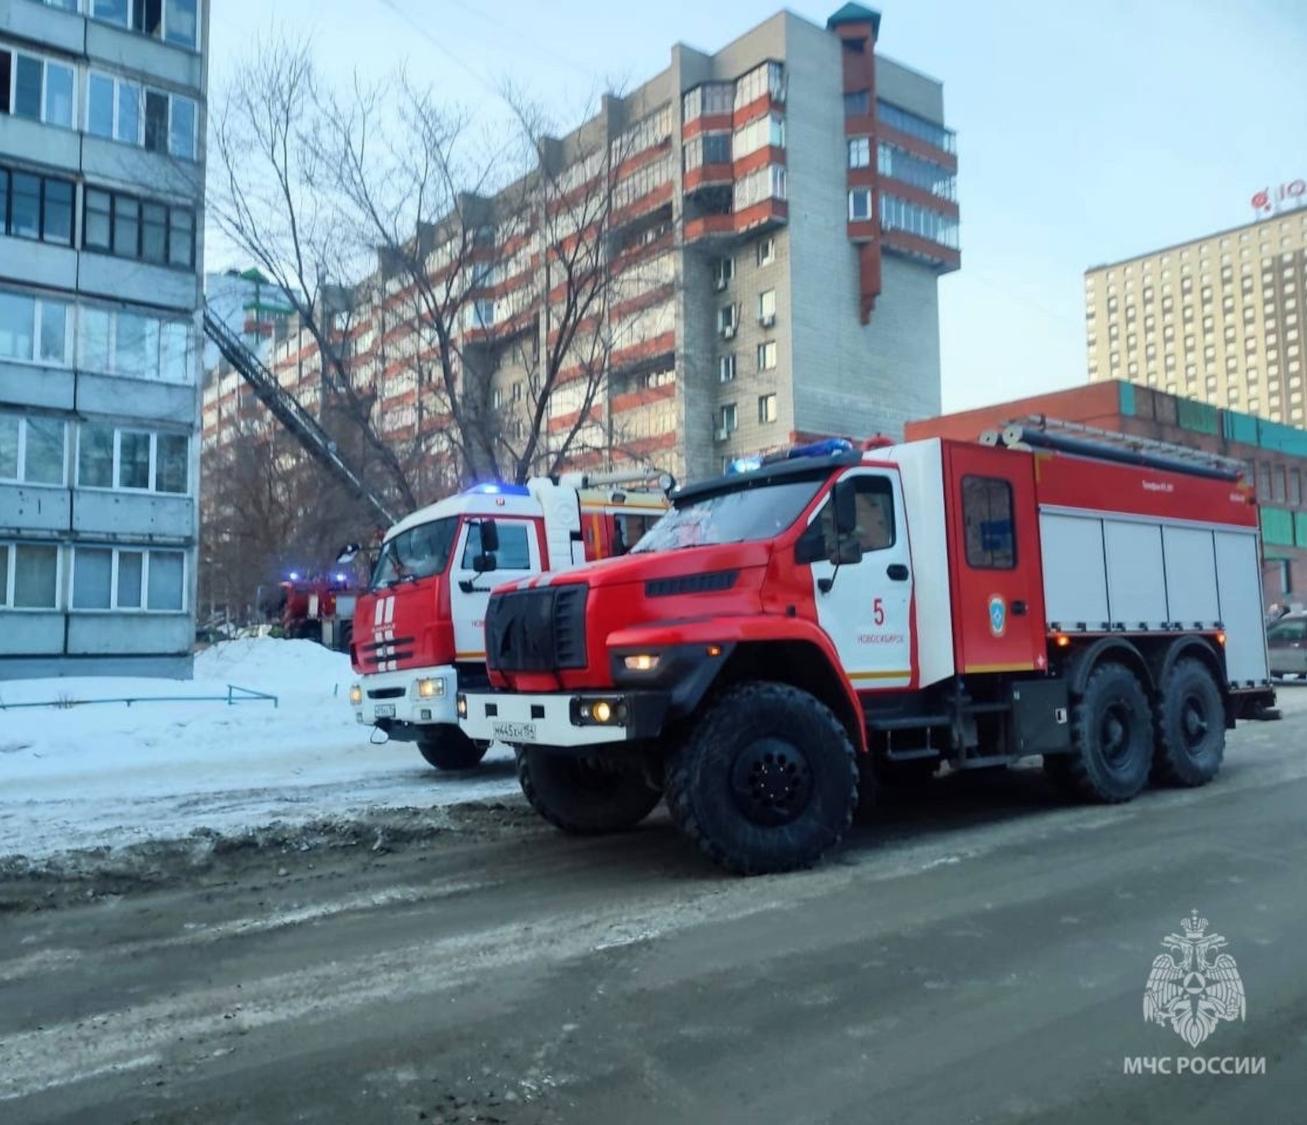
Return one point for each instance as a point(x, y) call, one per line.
point(108, 774)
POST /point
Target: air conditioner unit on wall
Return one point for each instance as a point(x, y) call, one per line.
point(767, 320)
point(720, 284)
point(722, 433)
point(728, 332)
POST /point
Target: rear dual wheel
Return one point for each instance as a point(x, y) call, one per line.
point(585, 796)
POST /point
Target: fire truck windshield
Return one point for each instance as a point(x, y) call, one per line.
point(416, 553)
point(735, 516)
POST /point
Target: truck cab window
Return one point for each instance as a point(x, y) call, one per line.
point(874, 504)
point(418, 552)
point(988, 523)
point(514, 550)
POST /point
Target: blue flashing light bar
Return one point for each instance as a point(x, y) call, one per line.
point(827, 448)
point(498, 488)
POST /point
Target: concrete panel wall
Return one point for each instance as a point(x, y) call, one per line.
point(37, 263)
point(906, 88)
point(38, 633)
point(24, 20)
point(157, 63)
point(116, 163)
point(28, 385)
point(139, 518)
point(46, 145)
point(105, 276)
point(116, 397)
point(28, 508)
point(132, 634)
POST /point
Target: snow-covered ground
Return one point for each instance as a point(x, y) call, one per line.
point(82, 776)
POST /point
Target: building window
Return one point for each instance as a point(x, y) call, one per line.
point(118, 342)
point(859, 205)
point(726, 368)
point(860, 152)
point(128, 227)
point(129, 580)
point(710, 148)
point(174, 21)
point(726, 320)
point(32, 449)
point(132, 460)
point(29, 576)
point(710, 99)
point(857, 103)
point(124, 111)
point(36, 207)
point(723, 272)
point(34, 330)
point(767, 353)
point(766, 183)
point(36, 88)
point(767, 306)
point(766, 251)
point(766, 408)
point(988, 523)
point(924, 222)
point(763, 132)
point(765, 80)
point(932, 132)
point(727, 421)
point(899, 164)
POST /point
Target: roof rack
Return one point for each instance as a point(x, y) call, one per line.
point(1041, 432)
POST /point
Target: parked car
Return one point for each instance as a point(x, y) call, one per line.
point(1286, 640)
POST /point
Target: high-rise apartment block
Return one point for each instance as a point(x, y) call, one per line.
point(102, 111)
point(1218, 319)
point(786, 205)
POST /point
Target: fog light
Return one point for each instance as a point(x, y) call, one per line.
point(431, 689)
point(641, 662)
point(355, 694)
point(601, 711)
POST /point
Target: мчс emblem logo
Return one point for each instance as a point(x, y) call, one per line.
point(997, 615)
point(1196, 992)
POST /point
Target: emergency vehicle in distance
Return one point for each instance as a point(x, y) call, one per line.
point(836, 617)
point(418, 628)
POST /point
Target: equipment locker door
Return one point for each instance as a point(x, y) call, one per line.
point(993, 527)
point(469, 592)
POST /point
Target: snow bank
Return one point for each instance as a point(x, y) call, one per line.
point(77, 776)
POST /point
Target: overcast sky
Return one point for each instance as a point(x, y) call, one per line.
point(1087, 132)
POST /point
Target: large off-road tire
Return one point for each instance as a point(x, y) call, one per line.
point(448, 748)
point(766, 781)
point(585, 796)
point(1190, 715)
point(1112, 733)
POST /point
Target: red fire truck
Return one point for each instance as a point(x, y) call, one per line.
point(835, 617)
point(418, 629)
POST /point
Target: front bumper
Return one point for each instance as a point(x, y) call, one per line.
point(563, 719)
point(392, 699)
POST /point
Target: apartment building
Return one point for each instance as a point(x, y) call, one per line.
point(785, 207)
point(1217, 319)
point(102, 110)
point(1275, 455)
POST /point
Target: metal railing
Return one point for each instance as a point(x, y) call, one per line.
point(234, 695)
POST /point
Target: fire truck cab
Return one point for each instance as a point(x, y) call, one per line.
point(837, 618)
point(419, 627)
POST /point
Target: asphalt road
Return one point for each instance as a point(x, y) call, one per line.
point(977, 953)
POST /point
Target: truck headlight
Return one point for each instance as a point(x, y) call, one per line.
point(431, 688)
point(640, 661)
point(355, 694)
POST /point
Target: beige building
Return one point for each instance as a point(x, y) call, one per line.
point(1218, 319)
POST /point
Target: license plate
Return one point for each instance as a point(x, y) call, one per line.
point(385, 711)
point(514, 732)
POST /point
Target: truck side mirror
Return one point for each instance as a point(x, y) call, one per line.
point(485, 561)
point(844, 498)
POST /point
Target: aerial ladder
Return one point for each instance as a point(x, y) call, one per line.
point(287, 410)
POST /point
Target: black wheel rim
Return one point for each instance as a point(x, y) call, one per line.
point(1116, 733)
point(771, 782)
point(1194, 722)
